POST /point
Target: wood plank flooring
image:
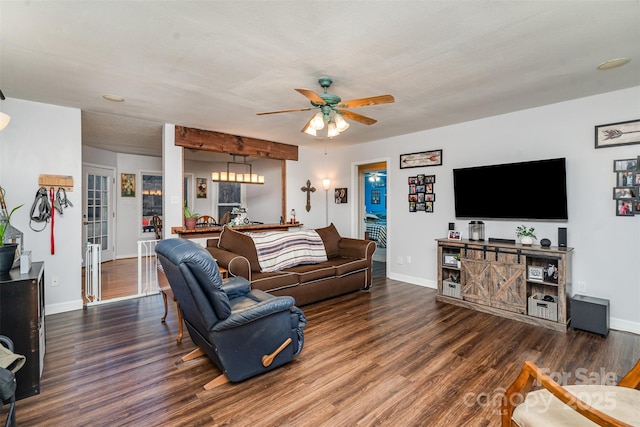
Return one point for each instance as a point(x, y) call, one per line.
point(391, 356)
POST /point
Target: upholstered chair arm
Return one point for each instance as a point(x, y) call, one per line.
point(356, 248)
point(521, 386)
point(263, 308)
point(236, 287)
point(236, 265)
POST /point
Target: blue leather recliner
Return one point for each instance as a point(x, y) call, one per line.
point(244, 332)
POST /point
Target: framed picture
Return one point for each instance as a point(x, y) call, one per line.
point(624, 207)
point(201, 188)
point(375, 197)
point(449, 259)
point(428, 206)
point(454, 235)
point(127, 185)
point(625, 165)
point(625, 192)
point(536, 273)
point(412, 207)
point(430, 197)
point(616, 134)
point(430, 179)
point(636, 207)
point(628, 178)
point(422, 159)
point(341, 195)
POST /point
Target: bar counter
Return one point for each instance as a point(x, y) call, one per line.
point(216, 230)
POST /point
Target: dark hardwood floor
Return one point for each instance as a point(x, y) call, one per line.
point(391, 356)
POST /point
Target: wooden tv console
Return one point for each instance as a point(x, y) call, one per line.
point(508, 280)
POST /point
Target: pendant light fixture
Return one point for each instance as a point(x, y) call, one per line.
point(238, 172)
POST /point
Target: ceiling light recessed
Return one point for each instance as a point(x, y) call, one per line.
point(613, 63)
point(114, 98)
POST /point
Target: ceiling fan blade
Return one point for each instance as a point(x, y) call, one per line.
point(312, 96)
point(285, 111)
point(363, 102)
point(357, 117)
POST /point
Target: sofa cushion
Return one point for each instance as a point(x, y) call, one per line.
point(310, 272)
point(330, 237)
point(240, 244)
point(541, 408)
point(346, 266)
point(273, 281)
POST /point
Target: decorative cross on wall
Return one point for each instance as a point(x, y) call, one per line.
point(309, 189)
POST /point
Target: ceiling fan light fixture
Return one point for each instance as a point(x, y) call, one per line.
point(309, 130)
point(4, 120)
point(341, 123)
point(332, 130)
point(317, 122)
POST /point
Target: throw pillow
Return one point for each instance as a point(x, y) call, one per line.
point(330, 237)
point(240, 244)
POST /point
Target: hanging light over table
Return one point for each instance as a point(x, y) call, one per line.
point(243, 173)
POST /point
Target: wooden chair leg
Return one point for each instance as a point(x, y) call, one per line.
point(166, 307)
point(217, 381)
point(180, 325)
point(194, 354)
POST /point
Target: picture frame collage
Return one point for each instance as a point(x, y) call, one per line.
point(421, 193)
point(626, 193)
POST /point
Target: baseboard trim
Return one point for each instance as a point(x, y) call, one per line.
point(624, 325)
point(63, 307)
point(414, 281)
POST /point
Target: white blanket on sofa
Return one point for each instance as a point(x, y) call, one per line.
point(278, 250)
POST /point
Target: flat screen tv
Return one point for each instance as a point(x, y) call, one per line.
point(535, 190)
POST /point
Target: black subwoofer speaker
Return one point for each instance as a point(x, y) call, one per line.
point(590, 314)
point(562, 237)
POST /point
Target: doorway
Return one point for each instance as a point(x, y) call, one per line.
point(372, 206)
point(98, 210)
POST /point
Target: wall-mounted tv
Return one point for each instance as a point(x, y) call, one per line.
point(535, 190)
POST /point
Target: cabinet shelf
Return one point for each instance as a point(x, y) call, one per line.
point(495, 278)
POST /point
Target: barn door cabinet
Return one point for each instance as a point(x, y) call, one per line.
point(509, 280)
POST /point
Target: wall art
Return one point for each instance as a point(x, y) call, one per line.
point(201, 188)
point(127, 185)
point(422, 159)
point(616, 134)
point(421, 195)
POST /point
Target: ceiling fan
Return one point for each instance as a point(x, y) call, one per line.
point(333, 110)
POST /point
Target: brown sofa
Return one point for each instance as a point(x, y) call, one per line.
point(347, 269)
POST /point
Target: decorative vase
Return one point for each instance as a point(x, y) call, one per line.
point(190, 223)
point(526, 240)
point(7, 257)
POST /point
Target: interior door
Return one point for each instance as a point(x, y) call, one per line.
point(98, 210)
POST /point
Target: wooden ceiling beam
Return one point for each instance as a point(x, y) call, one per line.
point(219, 142)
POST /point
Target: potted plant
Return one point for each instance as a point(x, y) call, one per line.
point(458, 260)
point(525, 234)
point(7, 251)
point(190, 218)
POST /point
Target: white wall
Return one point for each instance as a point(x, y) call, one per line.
point(607, 247)
point(264, 202)
point(46, 139)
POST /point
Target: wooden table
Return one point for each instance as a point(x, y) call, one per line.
point(215, 231)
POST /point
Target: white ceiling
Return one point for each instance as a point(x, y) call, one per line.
point(215, 64)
